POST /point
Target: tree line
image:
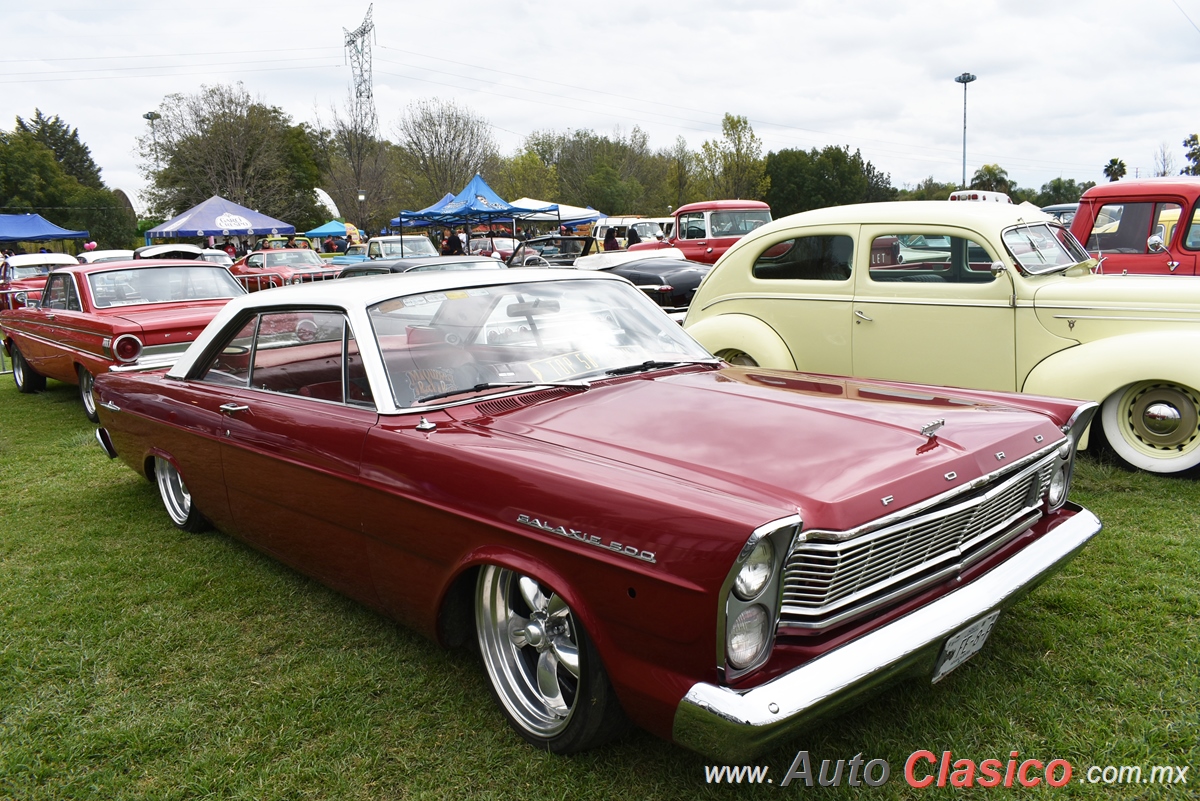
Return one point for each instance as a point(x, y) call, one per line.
point(223, 141)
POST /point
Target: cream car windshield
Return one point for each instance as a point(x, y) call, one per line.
point(1043, 248)
point(492, 338)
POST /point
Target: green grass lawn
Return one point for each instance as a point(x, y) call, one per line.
point(138, 661)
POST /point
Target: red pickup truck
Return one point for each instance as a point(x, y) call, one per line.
point(705, 230)
point(1149, 225)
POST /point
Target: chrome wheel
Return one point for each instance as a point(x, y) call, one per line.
point(1154, 425)
point(24, 377)
point(87, 395)
point(175, 497)
point(542, 667)
point(735, 356)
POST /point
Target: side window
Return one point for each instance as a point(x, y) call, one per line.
point(807, 258)
point(1166, 218)
point(373, 250)
point(255, 261)
point(929, 258)
point(231, 365)
point(72, 296)
point(691, 226)
point(55, 294)
point(1192, 240)
point(1121, 228)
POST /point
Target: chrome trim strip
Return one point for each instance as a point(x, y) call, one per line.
point(735, 726)
point(1195, 319)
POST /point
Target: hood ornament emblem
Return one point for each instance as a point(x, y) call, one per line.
point(930, 429)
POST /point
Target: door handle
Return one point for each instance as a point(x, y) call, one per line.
point(1172, 265)
point(862, 316)
point(230, 408)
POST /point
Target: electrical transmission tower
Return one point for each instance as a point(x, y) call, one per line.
point(358, 48)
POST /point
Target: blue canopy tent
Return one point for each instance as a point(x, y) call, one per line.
point(33, 228)
point(331, 228)
point(219, 217)
point(423, 216)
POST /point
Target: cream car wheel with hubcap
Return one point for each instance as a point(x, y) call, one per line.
point(1154, 425)
point(543, 668)
point(735, 356)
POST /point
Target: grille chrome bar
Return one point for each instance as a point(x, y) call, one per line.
point(829, 577)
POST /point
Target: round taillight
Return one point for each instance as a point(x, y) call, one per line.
point(127, 348)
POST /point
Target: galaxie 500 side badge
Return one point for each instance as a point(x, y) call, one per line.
point(588, 539)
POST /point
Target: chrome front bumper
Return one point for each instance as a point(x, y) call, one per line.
point(735, 726)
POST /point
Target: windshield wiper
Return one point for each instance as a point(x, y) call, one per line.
point(654, 365)
point(504, 385)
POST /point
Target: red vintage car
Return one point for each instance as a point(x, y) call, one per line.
point(1150, 226)
point(542, 462)
point(94, 316)
point(264, 269)
point(705, 230)
point(22, 277)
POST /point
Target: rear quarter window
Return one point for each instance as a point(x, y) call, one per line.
point(823, 257)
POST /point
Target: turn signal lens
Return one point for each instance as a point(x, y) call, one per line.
point(127, 348)
point(755, 574)
point(748, 636)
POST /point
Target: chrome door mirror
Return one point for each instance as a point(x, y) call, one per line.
point(998, 267)
point(1155, 244)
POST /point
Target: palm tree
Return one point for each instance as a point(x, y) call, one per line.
point(991, 178)
point(1114, 170)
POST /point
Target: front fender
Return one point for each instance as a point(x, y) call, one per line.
point(747, 334)
point(1095, 370)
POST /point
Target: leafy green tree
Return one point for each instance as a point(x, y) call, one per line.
point(610, 193)
point(1114, 170)
point(221, 141)
point(991, 178)
point(72, 154)
point(813, 179)
point(1192, 143)
point(526, 175)
point(928, 189)
point(733, 166)
point(1061, 190)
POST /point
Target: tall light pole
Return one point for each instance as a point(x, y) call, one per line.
point(964, 79)
point(151, 116)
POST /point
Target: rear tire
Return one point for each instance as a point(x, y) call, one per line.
point(87, 394)
point(27, 380)
point(176, 498)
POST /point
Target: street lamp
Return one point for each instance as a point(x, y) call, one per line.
point(151, 116)
point(362, 198)
point(964, 79)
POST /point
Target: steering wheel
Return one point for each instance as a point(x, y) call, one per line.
point(534, 261)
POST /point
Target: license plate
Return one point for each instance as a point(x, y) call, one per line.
point(963, 645)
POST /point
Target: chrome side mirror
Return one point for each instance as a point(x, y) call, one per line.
point(1155, 244)
point(998, 267)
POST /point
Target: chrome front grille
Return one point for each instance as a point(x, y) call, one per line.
point(831, 577)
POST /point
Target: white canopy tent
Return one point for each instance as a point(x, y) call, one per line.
point(546, 211)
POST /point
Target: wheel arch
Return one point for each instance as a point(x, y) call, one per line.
point(1095, 370)
point(745, 333)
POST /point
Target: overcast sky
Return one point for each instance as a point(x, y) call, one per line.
point(1062, 87)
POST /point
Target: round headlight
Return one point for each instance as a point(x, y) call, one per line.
point(1058, 487)
point(748, 636)
point(755, 574)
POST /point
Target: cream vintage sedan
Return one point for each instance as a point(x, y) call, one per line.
point(977, 295)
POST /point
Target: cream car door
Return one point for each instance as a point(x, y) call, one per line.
point(929, 309)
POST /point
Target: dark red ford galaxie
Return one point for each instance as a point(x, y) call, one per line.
point(93, 316)
point(542, 462)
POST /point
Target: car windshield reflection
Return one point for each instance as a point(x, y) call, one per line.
point(492, 338)
point(161, 285)
point(1043, 248)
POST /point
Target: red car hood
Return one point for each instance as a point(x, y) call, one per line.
point(835, 449)
point(167, 324)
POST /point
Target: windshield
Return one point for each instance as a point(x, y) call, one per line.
point(413, 246)
point(547, 331)
point(737, 223)
point(1043, 248)
point(492, 243)
point(32, 271)
point(161, 285)
point(298, 259)
point(213, 258)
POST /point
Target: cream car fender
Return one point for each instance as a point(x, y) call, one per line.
point(741, 333)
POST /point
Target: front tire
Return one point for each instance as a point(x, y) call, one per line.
point(27, 380)
point(1154, 426)
point(176, 498)
point(544, 670)
point(87, 394)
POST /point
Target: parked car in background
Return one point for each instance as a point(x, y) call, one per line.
point(648, 230)
point(1063, 212)
point(170, 250)
point(980, 195)
point(704, 231)
point(409, 246)
point(214, 256)
point(353, 255)
point(552, 251)
point(23, 276)
point(1004, 299)
point(665, 276)
point(499, 458)
point(98, 256)
point(435, 263)
point(95, 316)
point(500, 246)
point(264, 269)
point(1133, 226)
